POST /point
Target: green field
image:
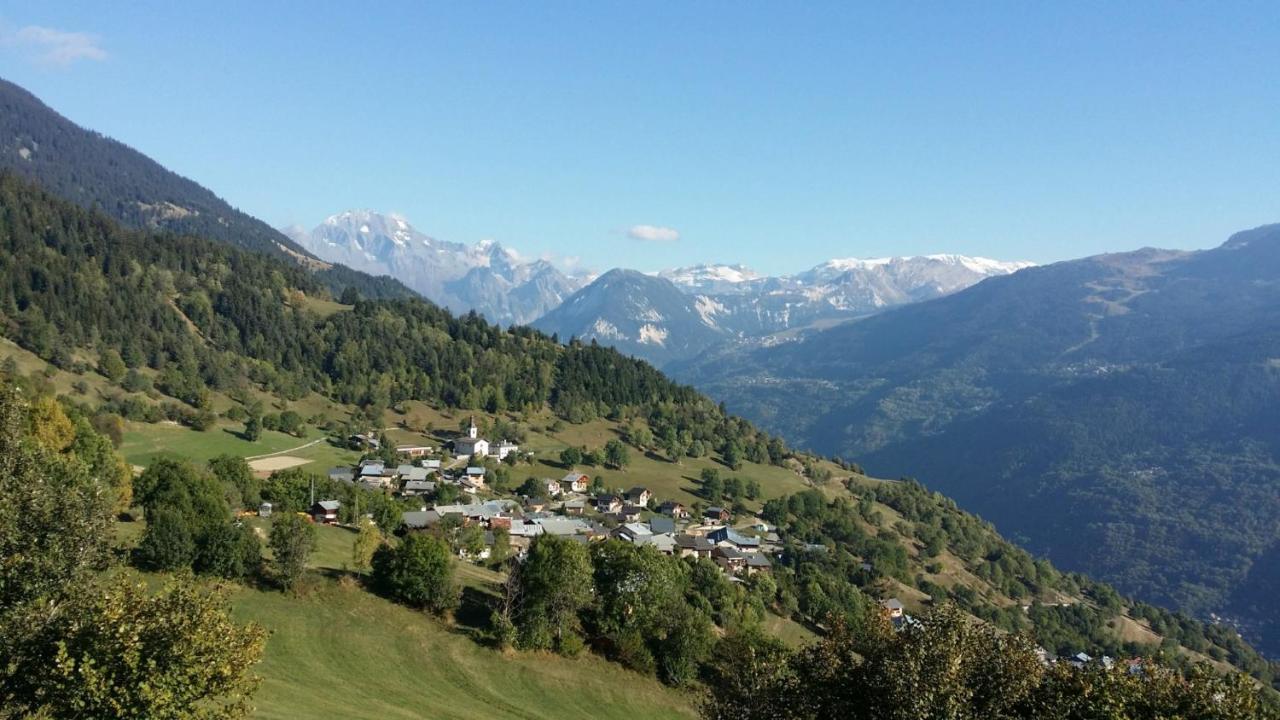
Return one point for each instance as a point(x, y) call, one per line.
point(341, 652)
point(143, 442)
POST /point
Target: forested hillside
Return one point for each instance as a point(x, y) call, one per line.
point(94, 171)
point(190, 318)
point(1117, 413)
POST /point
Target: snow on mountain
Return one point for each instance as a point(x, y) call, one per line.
point(486, 277)
point(645, 315)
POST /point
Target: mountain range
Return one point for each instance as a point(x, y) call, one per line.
point(1117, 414)
point(683, 313)
point(486, 277)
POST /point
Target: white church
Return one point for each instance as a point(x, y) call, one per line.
point(477, 447)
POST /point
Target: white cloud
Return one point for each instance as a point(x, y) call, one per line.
point(653, 233)
point(48, 46)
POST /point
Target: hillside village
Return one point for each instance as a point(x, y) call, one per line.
point(451, 490)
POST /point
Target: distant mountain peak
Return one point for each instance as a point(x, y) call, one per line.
point(488, 277)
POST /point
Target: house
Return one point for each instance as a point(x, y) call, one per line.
point(361, 441)
point(893, 607)
point(471, 444)
point(729, 559)
point(717, 514)
point(418, 487)
point(563, 526)
point(431, 465)
point(551, 487)
point(660, 525)
point(535, 504)
point(575, 482)
point(608, 504)
point(757, 562)
point(475, 474)
point(630, 513)
point(264, 510)
point(413, 451)
point(632, 531)
point(403, 469)
point(419, 519)
point(326, 512)
point(673, 509)
point(372, 469)
point(415, 474)
point(639, 496)
point(664, 543)
point(505, 448)
point(727, 535)
point(574, 507)
point(342, 475)
point(694, 546)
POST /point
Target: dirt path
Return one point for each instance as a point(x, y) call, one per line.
point(289, 450)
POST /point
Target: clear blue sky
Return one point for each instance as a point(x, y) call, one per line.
point(777, 134)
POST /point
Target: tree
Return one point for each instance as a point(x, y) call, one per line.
point(111, 365)
point(122, 654)
point(570, 456)
point(368, 540)
point(231, 550)
point(167, 543)
point(641, 437)
point(418, 573)
point(546, 593)
point(253, 428)
point(243, 487)
point(292, 540)
point(616, 454)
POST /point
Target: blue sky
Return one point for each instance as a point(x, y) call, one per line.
point(773, 134)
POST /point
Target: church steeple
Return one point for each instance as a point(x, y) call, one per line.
point(473, 432)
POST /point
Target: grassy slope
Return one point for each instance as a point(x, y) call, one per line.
point(342, 652)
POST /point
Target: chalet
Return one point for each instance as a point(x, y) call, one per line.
point(418, 487)
point(729, 559)
point(575, 482)
point(893, 607)
point(551, 487)
point(342, 475)
point(419, 519)
point(403, 469)
point(660, 524)
point(639, 496)
point(264, 510)
point(729, 536)
point(564, 526)
point(362, 441)
point(630, 513)
point(415, 474)
point(478, 512)
point(673, 509)
point(608, 504)
point(694, 546)
point(574, 507)
point(631, 532)
point(505, 448)
point(757, 562)
point(664, 543)
point(326, 512)
point(535, 504)
point(413, 451)
point(372, 469)
point(716, 514)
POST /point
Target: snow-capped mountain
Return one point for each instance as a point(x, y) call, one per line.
point(735, 303)
point(486, 277)
point(639, 314)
